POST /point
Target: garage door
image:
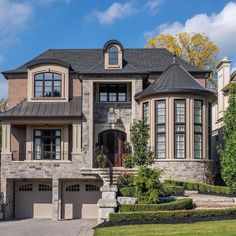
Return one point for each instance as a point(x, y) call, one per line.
point(33, 200)
point(79, 199)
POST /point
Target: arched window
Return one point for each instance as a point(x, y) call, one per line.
point(47, 85)
point(113, 55)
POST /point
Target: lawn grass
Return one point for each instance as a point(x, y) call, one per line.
point(210, 228)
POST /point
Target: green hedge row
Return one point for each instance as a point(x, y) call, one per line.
point(162, 216)
point(127, 191)
point(204, 188)
point(172, 190)
point(179, 204)
point(168, 190)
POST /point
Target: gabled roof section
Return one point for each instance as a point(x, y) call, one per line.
point(43, 110)
point(90, 61)
point(175, 79)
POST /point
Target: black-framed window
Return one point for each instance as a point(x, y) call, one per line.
point(47, 144)
point(146, 113)
point(198, 129)
point(112, 92)
point(209, 129)
point(180, 128)
point(47, 85)
point(113, 55)
point(160, 129)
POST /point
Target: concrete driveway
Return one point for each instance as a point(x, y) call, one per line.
point(33, 227)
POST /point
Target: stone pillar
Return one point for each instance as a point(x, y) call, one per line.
point(108, 203)
point(76, 142)
point(55, 199)
point(6, 138)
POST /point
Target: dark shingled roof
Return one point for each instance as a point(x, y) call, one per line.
point(91, 61)
point(45, 110)
point(175, 79)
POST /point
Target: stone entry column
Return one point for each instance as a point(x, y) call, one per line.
point(108, 203)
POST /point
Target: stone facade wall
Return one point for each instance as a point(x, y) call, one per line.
point(185, 170)
point(18, 142)
point(17, 91)
point(122, 110)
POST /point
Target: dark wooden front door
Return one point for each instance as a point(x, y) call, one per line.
point(114, 141)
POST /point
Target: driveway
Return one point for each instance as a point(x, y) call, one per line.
point(33, 227)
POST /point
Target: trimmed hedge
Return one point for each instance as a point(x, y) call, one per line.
point(172, 190)
point(204, 188)
point(127, 191)
point(179, 204)
point(170, 216)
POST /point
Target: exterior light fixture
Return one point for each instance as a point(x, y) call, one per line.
point(111, 116)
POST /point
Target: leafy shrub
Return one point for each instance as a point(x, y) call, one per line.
point(127, 191)
point(205, 188)
point(179, 204)
point(171, 190)
point(127, 158)
point(125, 180)
point(145, 217)
point(147, 185)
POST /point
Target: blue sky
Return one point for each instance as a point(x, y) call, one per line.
point(29, 27)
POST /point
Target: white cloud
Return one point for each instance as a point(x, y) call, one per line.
point(117, 11)
point(13, 15)
point(153, 5)
point(220, 27)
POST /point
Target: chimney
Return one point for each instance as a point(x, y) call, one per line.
point(223, 75)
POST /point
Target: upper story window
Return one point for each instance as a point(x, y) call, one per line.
point(113, 55)
point(180, 128)
point(47, 85)
point(197, 129)
point(112, 93)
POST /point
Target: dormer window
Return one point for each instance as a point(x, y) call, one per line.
point(113, 55)
point(47, 84)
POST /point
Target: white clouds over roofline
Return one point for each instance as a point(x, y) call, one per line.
point(220, 27)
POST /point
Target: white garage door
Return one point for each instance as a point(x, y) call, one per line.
point(33, 200)
point(79, 200)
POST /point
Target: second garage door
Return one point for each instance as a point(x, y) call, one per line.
point(79, 199)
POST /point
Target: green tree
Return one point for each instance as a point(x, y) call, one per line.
point(3, 107)
point(142, 154)
point(195, 48)
point(227, 152)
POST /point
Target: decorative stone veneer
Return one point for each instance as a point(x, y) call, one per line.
point(185, 170)
point(44, 170)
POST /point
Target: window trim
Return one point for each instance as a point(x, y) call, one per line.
point(156, 124)
point(108, 91)
point(197, 132)
point(209, 129)
point(43, 85)
point(182, 123)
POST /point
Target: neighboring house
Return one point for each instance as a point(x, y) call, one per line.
point(65, 101)
point(219, 107)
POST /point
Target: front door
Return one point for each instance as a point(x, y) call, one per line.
point(114, 141)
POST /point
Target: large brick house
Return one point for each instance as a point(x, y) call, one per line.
point(64, 101)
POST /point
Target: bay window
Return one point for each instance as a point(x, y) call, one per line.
point(47, 144)
point(180, 128)
point(197, 129)
point(160, 129)
point(146, 113)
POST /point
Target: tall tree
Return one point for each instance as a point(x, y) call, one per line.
point(3, 107)
point(197, 49)
point(228, 151)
